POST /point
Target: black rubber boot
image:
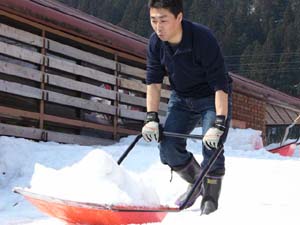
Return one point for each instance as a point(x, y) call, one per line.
point(211, 192)
point(190, 172)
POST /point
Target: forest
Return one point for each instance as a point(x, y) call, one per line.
point(260, 39)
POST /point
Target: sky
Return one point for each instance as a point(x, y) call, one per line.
point(259, 186)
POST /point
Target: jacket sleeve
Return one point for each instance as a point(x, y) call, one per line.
point(213, 61)
point(155, 70)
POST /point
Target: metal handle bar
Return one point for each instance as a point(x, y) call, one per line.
point(169, 134)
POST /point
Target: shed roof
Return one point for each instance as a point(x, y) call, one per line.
point(269, 94)
point(59, 16)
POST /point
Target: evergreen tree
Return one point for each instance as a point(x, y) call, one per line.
point(259, 38)
point(132, 15)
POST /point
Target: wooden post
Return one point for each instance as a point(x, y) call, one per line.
point(42, 86)
point(116, 102)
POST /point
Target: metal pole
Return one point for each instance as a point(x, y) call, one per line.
point(191, 136)
point(169, 134)
point(288, 129)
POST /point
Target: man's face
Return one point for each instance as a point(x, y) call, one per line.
point(165, 24)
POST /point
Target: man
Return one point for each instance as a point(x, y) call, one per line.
point(201, 92)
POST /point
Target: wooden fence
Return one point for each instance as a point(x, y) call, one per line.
point(57, 89)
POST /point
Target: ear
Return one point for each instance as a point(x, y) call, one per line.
point(179, 17)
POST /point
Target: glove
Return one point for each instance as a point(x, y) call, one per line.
point(152, 129)
point(212, 138)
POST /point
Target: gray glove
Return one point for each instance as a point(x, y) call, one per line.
point(212, 138)
point(152, 130)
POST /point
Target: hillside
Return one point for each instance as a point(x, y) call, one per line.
point(260, 39)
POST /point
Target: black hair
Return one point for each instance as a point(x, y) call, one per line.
point(174, 6)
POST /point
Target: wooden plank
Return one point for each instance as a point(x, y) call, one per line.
point(35, 133)
point(132, 100)
point(274, 114)
point(80, 54)
point(20, 53)
point(132, 114)
point(269, 119)
point(20, 71)
point(26, 91)
point(137, 72)
point(166, 80)
point(293, 115)
point(283, 115)
point(132, 85)
point(77, 139)
point(17, 113)
point(79, 86)
point(165, 93)
point(133, 71)
point(80, 103)
point(139, 101)
point(18, 131)
point(127, 131)
point(81, 40)
point(20, 35)
point(20, 89)
point(138, 86)
point(285, 106)
point(288, 115)
point(81, 70)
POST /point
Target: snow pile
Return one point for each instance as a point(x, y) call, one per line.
point(248, 139)
point(97, 178)
point(10, 165)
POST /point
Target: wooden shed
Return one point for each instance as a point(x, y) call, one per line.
point(69, 77)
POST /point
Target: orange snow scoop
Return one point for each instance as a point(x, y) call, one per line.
point(287, 149)
point(82, 213)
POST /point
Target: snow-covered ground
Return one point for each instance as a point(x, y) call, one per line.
point(259, 187)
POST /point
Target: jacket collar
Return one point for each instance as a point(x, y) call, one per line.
point(187, 38)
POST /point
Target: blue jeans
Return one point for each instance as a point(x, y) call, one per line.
point(183, 115)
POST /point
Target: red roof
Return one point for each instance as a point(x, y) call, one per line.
point(59, 16)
